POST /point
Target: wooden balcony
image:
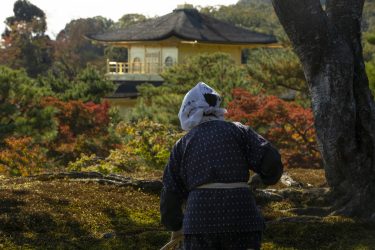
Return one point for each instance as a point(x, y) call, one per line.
point(135, 68)
point(125, 71)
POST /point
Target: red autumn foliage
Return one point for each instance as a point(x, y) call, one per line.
point(287, 125)
point(20, 156)
point(82, 128)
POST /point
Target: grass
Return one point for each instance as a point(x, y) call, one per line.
point(66, 214)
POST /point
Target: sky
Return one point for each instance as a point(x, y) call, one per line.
point(59, 13)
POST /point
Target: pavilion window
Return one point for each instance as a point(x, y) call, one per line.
point(137, 66)
point(168, 62)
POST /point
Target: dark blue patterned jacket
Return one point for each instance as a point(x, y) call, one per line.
point(212, 152)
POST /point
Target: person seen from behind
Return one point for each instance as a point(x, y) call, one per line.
point(208, 174)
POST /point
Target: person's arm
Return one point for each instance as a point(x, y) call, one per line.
point(271, 167)
point(173, 193)
point(171, 210)
point(263, 157)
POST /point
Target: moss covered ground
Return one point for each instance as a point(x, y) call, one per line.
point(67, 214)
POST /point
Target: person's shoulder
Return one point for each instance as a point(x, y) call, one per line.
point(222, 124)
point(211, 126)
point(237, 125)
point(179, 145)
point(241, 128)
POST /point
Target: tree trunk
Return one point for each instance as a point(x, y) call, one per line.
point(328, 43)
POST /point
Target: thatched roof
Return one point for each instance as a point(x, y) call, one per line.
point(186, 24)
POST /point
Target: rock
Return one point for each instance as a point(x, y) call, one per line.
point(290, 193)
point(315, 197)
point(288, 181)
point(317, 192)
point(109, 235)
point(267, 195)
point(311, 211)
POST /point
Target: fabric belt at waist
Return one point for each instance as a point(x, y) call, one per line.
point(224, 185)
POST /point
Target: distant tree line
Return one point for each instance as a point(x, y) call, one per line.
point(25, 43)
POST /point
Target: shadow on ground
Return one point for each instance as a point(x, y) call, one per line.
point(69, 215)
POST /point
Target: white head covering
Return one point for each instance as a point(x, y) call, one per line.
point(195, 110)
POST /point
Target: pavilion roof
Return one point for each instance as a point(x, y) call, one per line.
point(186, 24)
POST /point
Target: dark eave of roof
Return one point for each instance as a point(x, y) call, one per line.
point(186, 24)
point(129, 89)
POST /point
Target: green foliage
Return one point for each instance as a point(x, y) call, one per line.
point(117, 54)
point(149, 140)
point(56, 83)
point(25, 44)
point(255, 15)
point(162, 103)
point(24, 11)
point(31, 53)
point(128, 20)
point(74, 30)
point(145, 144)
point(87, 163)
point(368, 46)
point(371, 39)
point(21, 156)
point(280, 73)
point(123, 159)
point(159, 104)
point(88, 85)
point(20, 109)
point(368, 17)
point(73, 51)
point(67, 128)
point(370, 70)
point(217, 70)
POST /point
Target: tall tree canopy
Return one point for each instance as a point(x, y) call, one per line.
point(256, 15)
point(73, 51)
point(128, 20)
point(20, 110)
point(26, 12)
point(328, 44)
point(25, 44)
